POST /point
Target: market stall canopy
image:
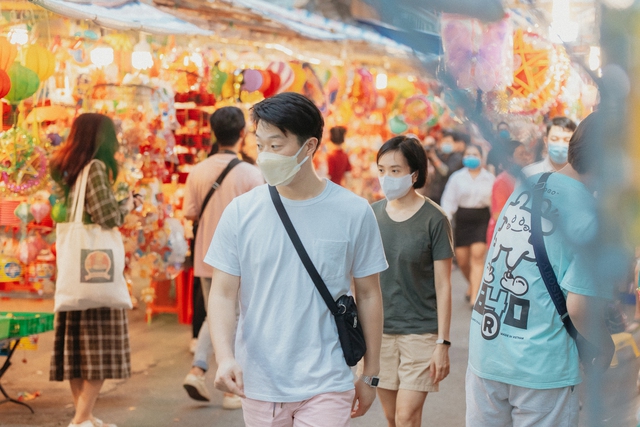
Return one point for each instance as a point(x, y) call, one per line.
point(123, 15)
point(316, 26)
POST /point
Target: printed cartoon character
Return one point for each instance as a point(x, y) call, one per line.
point(506, 303)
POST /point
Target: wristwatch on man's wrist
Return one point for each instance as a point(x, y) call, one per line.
point(370, 381)
point(442, 341)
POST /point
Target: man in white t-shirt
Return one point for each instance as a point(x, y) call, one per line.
point(288, 364)
point(227, 125)
point(559, 132)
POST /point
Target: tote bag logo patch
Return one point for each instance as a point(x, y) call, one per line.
point(97, 265)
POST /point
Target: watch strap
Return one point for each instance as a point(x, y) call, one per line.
point(445, 342)
point(370, 381)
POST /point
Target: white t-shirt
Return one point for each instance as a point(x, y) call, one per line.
point(287, 341)
point(540, 167)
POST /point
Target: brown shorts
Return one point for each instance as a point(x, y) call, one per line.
point(405, 361)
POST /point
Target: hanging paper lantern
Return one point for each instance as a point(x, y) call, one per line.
point(299, 77)
point(363, 93)
point(217, 81)
point(24, 83)
point(266, 81)
point(8, 53)
point(397, 125)
point(273, 87)
point(417, 110)
point(5, 83)
point(284, 71)
point(40, 210)
point(313, 89)
point(252, 80)
point(59, 211)
point(22, 212)
point(41, 61)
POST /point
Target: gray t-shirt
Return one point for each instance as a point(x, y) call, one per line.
point(408, 286)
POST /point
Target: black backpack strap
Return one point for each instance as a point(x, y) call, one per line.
point(542, 258)
point(304, 257)
point(217, 184)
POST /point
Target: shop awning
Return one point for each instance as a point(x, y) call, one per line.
point(132, 15)
point(316, 26)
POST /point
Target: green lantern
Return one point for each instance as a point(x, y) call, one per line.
point(24, 83)
point(218, 79)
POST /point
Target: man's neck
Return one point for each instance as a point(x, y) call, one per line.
point(569, 171)
point(306, 185)
point(229, 148)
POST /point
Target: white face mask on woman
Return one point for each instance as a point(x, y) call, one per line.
point(395, 188)
point(278, 169)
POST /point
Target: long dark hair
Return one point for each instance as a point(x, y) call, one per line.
point(92, 136)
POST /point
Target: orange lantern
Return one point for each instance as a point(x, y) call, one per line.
point(5, 83)
point(8, 53)
point(41, 61)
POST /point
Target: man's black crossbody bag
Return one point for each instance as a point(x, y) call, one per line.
point(344, 310)
point(212, 190)
point(587, 351)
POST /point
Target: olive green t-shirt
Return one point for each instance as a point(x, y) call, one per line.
point(408, 286)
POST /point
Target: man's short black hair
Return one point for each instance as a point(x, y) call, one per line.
point(412, 150)
point(337, 133)
point(461, 137)
point(227, 123)
point(562, 122)
point(583, 145)
point(291, 112)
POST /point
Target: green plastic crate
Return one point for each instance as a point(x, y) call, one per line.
point(5, 326)
point(23, 324)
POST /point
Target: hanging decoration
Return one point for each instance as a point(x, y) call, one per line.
point(5, 83)
point(479, 55)
point(24, 83)
point(23, 165)
point(539, 70)
point(8, 53)
point(41, 61)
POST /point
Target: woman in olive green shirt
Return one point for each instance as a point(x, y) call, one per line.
point(416, 289)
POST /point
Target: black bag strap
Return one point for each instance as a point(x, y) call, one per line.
point(217, 184)
point(304, 257)
point(542, 258)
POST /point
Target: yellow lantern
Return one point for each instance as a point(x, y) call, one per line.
point(8, 53)
point(41, 61)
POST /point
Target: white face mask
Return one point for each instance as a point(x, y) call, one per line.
point(394, 188)
point(278, 169)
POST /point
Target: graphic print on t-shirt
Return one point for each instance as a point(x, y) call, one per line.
point(503, 300)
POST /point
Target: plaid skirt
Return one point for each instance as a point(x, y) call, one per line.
point(92, 345)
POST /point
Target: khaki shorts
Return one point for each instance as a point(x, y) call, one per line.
point(405, 361)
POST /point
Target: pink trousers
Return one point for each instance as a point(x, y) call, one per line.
point(328, 409)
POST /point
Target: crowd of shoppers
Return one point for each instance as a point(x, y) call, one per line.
point(275, 340)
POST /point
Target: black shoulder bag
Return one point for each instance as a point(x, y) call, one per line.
point(588, 352)
point(344, 309)
point(212, 190)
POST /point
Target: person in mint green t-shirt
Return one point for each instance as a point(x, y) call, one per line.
point(523, 365)
point(416, 288)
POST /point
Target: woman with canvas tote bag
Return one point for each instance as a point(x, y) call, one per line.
point(91, 341)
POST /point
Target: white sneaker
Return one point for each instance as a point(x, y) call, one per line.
point(195, 387)
point(87, 423)
point(192, 345)
point(97, 422)
point(231, 401)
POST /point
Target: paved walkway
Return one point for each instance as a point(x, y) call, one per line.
point(154, 397)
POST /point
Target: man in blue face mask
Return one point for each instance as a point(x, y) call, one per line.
point(446, 159)
point(559, 132)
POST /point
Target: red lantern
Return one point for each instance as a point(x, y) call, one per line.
point(5, 83)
